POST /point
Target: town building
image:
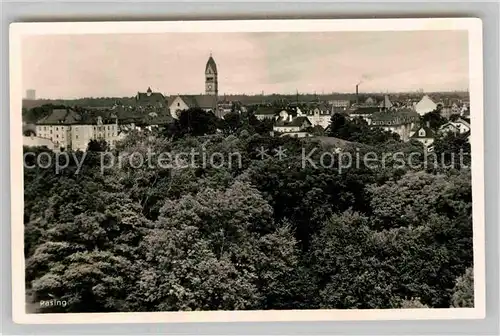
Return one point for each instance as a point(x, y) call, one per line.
point(340, 101)
point(425, 105)
point(319, 115)
point(34, 141)
point(365, 112)
point(206, 102)
point(288, 124)
point(385, 103)
point(458, 126)
point(184, 102)
point(150, 100)
point(400, 122)
point(69, 130)
point(425, 135)
point(265, 112)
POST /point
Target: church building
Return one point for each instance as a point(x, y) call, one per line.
point(207, 102)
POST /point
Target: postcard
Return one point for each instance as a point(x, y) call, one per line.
point(247, 170)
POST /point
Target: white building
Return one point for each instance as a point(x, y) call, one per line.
point(69, 130)
point(34, 141)
point(425, 105)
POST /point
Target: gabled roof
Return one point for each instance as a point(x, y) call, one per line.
point(61, 116)
point(386, 102)
point(429, 133)
point(201, 101)
point(426, 104)
point(150, 98)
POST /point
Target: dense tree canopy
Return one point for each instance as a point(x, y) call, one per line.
point(249, 229)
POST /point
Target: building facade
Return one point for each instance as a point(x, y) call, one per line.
point(68, 130)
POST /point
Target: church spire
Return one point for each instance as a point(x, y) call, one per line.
point(211, 82)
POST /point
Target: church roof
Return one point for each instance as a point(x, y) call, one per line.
point(201, 101)
point(211, 64)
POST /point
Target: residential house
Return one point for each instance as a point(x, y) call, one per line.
point(288, 125)
point(320, 115)
point(265, 112)
point(340, 101)
point(385, 103)
point(365, 112)
point(400, 122)
point(459, 126)
point(425, 135)
point(370, 101)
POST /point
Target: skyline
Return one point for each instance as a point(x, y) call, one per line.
point(120, 65)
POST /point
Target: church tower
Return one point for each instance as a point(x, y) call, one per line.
point(211, 83)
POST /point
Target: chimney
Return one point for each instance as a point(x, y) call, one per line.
point(357, 99)
point(428, 124)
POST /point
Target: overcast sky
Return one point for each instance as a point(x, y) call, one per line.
point(72, 66)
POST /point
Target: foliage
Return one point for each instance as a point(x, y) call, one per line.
point(358, 130)
point(434, 119)
point(463, 292)
point(260, 233)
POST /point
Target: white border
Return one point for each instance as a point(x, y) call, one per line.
point(472, 25)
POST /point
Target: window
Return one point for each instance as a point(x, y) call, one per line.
point(76, 136)
point(50, 131)
point(44, 128)
point(178, 104)
point(57, 135)
point(57, 129)
point(421, 132)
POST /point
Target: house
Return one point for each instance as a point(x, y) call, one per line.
point(425, 105)
point(320, 115)
point(184, 102)
point(287, 125)
point(425, 135)
point(34, 141)
point(340, 101)
point(458, 126)
point(385, 103)
point(364, 112)
point(370, 101)
point(400, 122)
point(265, 112)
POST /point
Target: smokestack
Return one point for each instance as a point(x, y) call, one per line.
point(357, 99)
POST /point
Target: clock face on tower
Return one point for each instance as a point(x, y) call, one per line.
point(209, 87)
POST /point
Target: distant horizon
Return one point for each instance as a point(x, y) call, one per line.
point(265, 94)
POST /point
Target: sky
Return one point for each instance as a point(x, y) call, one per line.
point(120, 65)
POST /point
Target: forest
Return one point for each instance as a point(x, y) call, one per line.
point(267, 234)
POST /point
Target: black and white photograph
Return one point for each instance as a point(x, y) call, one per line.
point(247, 170)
